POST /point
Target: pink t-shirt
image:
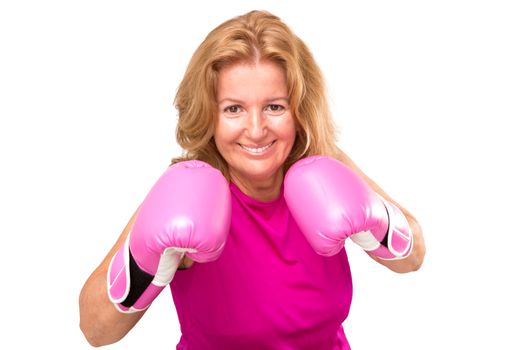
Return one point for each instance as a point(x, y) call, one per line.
point(267, 290)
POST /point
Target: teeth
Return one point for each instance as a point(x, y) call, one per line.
point(257, 150)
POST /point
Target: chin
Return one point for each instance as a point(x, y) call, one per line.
point(265, 174)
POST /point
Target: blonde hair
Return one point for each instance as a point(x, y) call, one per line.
point(257, 35)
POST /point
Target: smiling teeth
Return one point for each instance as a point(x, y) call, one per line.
point(257, 150)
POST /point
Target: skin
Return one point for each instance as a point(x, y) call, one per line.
point(255, 132)
point(100, 321)
point(412, 262)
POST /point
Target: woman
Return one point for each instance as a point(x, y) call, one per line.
point(251, 104)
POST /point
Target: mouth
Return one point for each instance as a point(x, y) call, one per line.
point(257, 150)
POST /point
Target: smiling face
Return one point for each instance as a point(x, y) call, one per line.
point(255, 129)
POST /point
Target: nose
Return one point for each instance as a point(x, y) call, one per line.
point(257, 125)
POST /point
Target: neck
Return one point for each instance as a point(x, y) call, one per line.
point(262, 190)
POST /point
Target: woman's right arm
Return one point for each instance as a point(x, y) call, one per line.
point(100, 321)
point(188, 209)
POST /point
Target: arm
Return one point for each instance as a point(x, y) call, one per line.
point(414, 261)
point(186, 212)
point(100, 321)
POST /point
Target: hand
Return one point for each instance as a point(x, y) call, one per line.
point(186, 213)
point(330, 203)
point(186, 263)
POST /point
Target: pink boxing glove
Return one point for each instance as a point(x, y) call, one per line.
point(187, 212)
point(330, 202)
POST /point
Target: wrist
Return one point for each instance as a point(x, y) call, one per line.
point(398, 239)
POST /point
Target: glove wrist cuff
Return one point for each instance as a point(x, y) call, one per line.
point(398, 239)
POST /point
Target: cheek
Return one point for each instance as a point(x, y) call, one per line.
point(225, 133)
point(287, 129)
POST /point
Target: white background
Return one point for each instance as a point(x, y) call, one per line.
point(429, 99)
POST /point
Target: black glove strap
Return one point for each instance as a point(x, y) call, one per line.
point(384, 242)
point(139, 281)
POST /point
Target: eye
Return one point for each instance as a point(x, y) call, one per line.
point(275, 109)
point(235, 109)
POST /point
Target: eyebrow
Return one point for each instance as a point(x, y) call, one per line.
point(273, 99)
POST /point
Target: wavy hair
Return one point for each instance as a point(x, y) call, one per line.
point(255, 36)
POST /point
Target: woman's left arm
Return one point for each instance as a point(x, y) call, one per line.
point(415, 259)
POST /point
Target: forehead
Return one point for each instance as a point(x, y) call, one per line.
point(251, 80)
